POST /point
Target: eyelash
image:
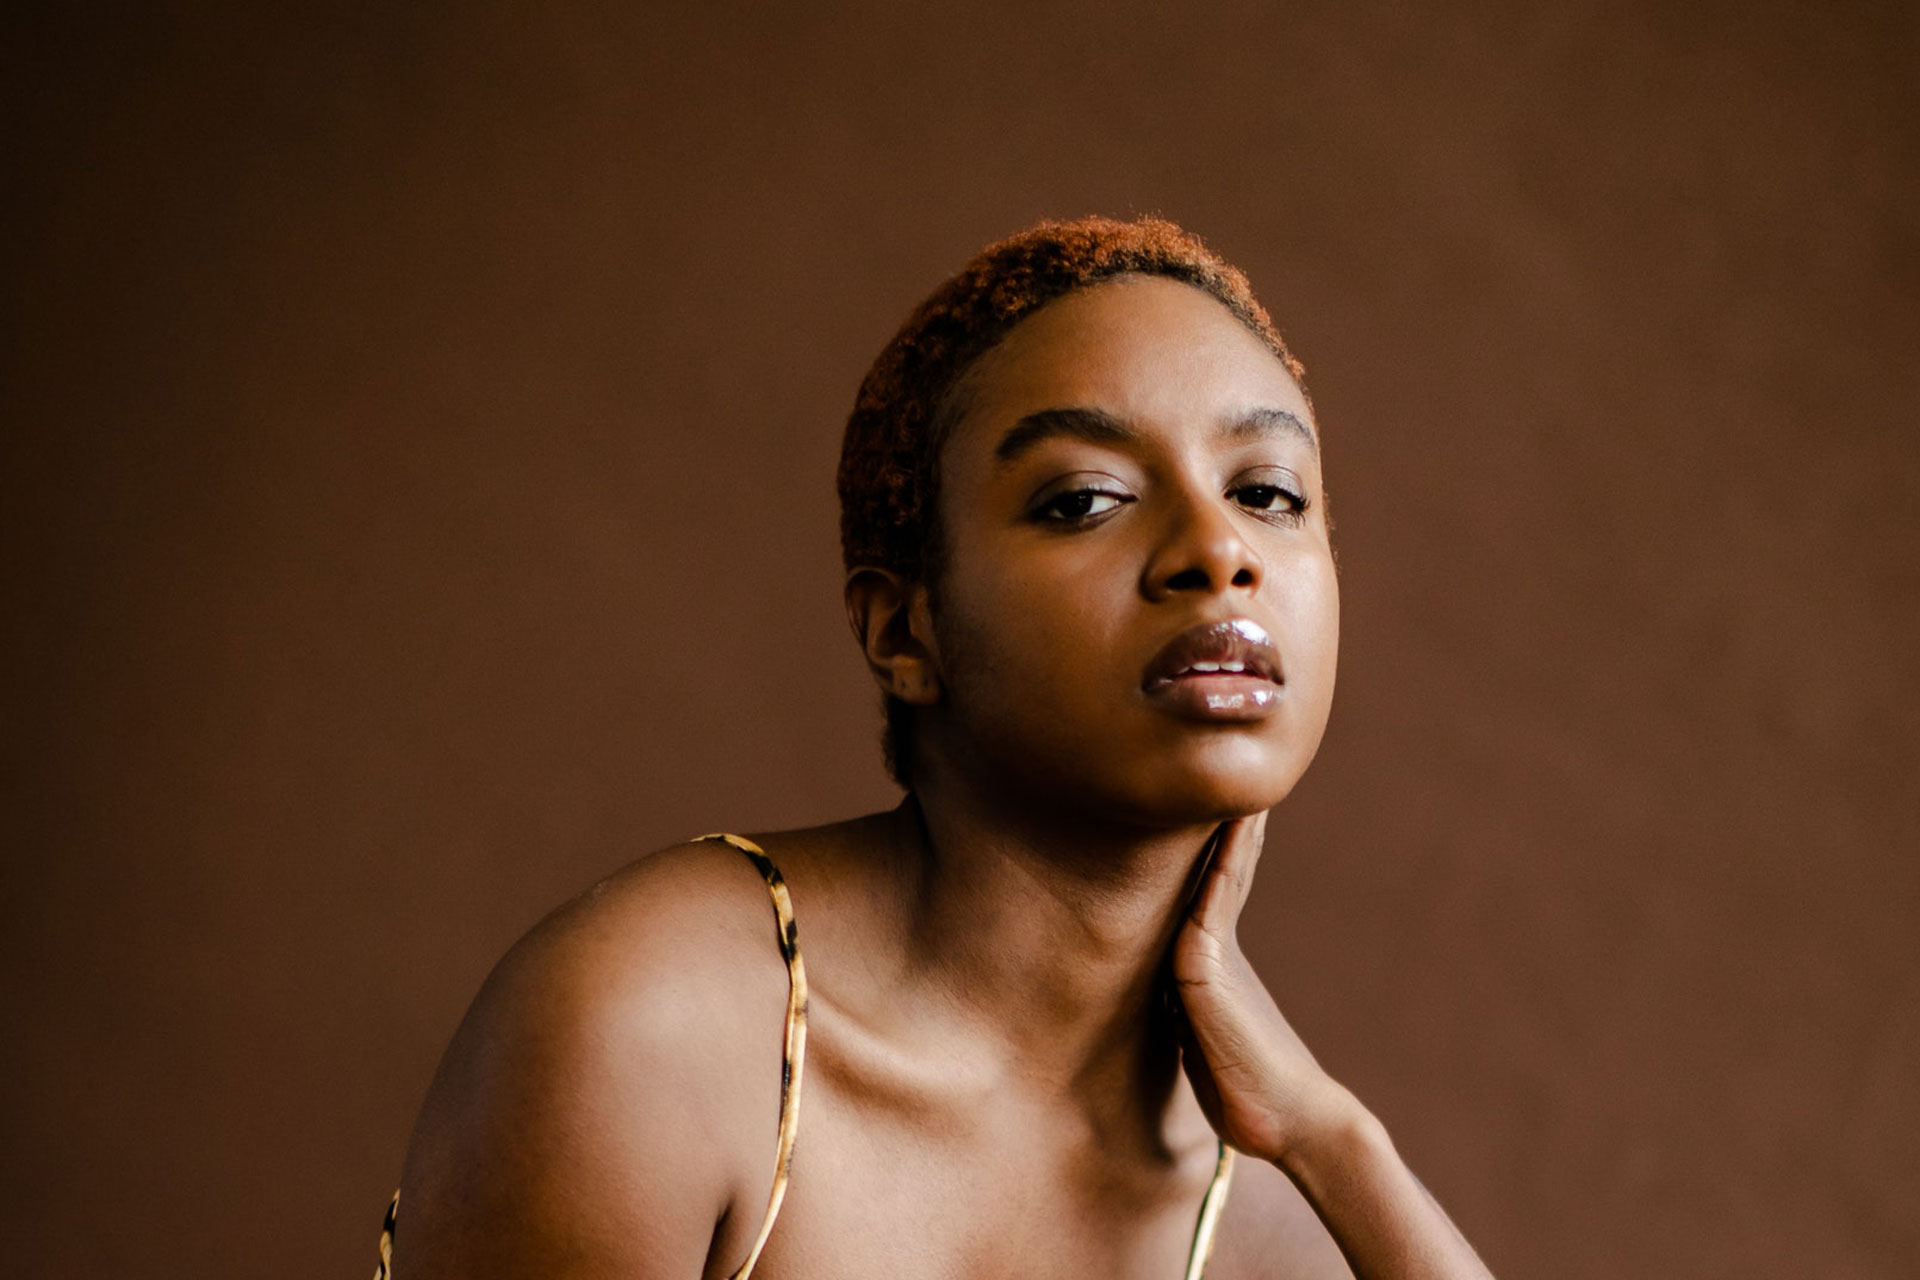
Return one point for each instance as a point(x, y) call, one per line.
point(1292, 514)
point(1053, 511)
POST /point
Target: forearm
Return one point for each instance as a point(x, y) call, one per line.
point(1383, 1219)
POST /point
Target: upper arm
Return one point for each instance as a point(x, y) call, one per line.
point(595, 1113)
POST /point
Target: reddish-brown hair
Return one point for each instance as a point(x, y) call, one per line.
point(889, 477)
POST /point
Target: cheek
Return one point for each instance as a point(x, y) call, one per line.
point(1029, 643)
point(1305, 596)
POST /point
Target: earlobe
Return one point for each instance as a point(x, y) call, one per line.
point(892, 623)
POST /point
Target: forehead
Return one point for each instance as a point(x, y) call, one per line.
point(1143, 348)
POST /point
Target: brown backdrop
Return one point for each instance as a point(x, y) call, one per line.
point(420, 430)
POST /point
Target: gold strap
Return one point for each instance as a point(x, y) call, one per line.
point(794, 1059)
point(385, 1270)
point(1210, 1207)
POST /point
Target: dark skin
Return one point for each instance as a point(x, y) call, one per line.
point(997, 1083)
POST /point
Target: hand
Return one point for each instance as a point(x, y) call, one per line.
point(1261, 1089)
point(1265, 1095)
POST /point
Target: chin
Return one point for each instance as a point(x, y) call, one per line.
point(1158, 780)
point(1222, 781)
point(1210, 799)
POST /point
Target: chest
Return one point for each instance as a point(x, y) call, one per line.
point(998, 1194)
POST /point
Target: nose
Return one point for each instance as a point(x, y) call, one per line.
point(1202, 551)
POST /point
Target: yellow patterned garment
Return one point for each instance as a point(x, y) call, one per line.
point(791, 1063)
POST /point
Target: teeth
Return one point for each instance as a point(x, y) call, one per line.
point(1233, 666)
point(1204, 666)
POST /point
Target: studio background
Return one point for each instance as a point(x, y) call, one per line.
point(421, 423)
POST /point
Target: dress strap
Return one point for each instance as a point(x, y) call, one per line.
point(794, 1057)
point(1210, 1207)
point(384, 1271)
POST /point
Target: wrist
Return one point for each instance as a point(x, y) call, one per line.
point(1341, 1135)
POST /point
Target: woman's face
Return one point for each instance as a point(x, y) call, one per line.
point(1132, 509)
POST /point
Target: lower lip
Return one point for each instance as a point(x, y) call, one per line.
point(1216, 699)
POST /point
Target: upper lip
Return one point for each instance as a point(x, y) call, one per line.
point(1230, 641)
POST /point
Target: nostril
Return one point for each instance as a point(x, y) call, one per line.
point(1244, 578)
point(1189, 580)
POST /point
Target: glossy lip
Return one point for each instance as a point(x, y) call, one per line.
point(1187, 677)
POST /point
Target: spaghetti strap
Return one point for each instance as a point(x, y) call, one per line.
point(1210, 1208)
point(793, 1059)
point(384, 1269)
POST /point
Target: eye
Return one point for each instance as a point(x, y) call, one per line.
point(1275, 496)
point(1077, 505)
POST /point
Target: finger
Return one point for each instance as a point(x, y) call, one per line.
point(1228, 879)
point(1230, 871)
point(1201, 872)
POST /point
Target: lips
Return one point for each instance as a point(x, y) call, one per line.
point(1237, 646)
point(1225, 670)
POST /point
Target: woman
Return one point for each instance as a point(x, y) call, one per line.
point(1089, 568)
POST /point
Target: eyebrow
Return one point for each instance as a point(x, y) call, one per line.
point(1270, 421)
point(1097, 426)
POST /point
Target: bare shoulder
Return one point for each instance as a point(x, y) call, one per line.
point(1269, 1231)
point(610, 1098)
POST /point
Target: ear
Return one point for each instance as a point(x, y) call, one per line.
point(893, 621)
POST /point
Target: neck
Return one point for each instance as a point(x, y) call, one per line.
point(1052, 935)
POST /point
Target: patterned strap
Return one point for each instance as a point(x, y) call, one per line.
point(385, 1270)
point(1210, 1207)
point(794, 1059)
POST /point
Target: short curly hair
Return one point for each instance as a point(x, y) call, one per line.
point(889, 476)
